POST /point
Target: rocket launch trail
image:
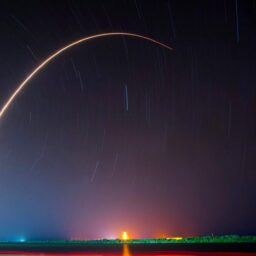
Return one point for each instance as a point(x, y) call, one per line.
point(21, 86)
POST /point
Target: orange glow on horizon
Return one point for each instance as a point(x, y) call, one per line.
point(125, 236)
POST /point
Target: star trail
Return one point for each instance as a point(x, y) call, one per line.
point(135, 116)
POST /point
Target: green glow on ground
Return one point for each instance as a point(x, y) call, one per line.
point(203, 239)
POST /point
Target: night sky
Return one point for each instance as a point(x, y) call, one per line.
point(121, 134)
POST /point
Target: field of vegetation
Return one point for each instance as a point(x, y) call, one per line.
point(202, 239)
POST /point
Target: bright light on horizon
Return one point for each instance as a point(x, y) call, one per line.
point(21, 239)
point(125, 236)
point(174, 238)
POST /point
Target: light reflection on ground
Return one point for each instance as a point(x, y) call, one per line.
point(127, 253)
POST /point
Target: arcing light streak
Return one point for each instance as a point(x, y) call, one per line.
point(55, 54)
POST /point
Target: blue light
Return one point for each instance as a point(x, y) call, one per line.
point(21, 239)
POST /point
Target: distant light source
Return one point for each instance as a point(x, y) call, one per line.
point(174, 238)
point(22, 239)
point(125, 236)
